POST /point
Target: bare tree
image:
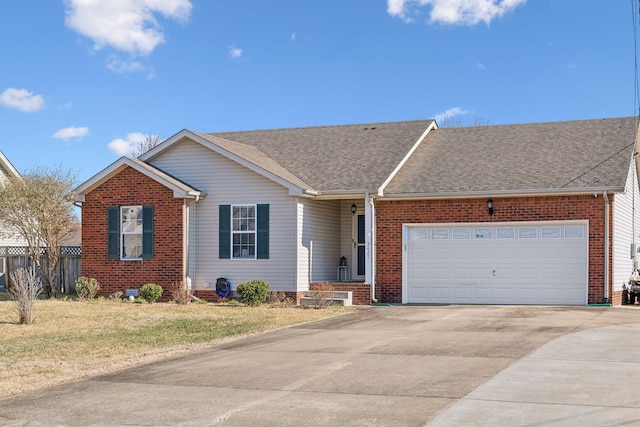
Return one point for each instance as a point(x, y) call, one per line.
point(39, 208)
point(146, 144)
point(459, 121)
point(25, 291)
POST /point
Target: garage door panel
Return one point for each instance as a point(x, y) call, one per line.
point(500, 267)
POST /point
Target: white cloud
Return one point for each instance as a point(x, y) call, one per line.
point(21, 99)
point(126, 25)
point(454, 12)
point(235, 52)
point(71, 132)
point(293, 36)
point(449, 114)
point(126, 146)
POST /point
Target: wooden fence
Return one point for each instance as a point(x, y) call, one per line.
point(68, 270)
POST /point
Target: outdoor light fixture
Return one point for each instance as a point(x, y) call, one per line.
point(490, 206)
point(354, 208)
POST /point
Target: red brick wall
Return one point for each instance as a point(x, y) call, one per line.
point(391, 215)
point(128, 188)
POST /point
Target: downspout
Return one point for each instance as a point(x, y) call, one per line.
point(606, 247)
point(185, 258)
point(371, 202)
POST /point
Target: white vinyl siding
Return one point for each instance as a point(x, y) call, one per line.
point(623, 229)
point(318, 241)
point(229, 183)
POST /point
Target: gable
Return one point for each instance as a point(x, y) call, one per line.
point(329, 160)
point(560, 157)
point(180, 189)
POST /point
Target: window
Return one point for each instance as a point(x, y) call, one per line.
point(130, 232)
point(243, 231)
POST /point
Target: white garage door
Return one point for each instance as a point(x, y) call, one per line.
point(512, 263)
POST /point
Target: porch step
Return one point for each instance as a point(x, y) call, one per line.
point(325, 298)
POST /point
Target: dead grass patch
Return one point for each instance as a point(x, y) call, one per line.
point(72, 339)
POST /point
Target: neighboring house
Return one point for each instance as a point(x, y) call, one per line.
point(8, 236)
point(517, 214)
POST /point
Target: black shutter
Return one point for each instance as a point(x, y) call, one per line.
point(113, 233)
point(147, 231)
point(262, 250)
point(224, 232)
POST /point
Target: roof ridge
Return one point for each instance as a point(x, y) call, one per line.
point(317, 127)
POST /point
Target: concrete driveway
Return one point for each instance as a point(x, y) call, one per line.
point(380, 366)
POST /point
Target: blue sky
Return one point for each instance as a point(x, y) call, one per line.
point(82, 80)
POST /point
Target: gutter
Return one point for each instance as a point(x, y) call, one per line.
point(606, 246)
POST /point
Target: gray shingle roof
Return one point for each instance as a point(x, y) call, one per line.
point(346, 158)
point(540, 157)
point(255, 156)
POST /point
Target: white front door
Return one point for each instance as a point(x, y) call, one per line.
point(509, 263)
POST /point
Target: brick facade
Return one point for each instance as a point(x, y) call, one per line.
point(129, 188)
point(391, 215)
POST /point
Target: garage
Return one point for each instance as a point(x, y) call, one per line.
point(538, 263)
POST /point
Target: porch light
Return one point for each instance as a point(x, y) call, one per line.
point(490, 206)
point(354, 208)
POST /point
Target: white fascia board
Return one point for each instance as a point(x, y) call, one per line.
point(502, 193)
point(166, 144)
point(406, 157)
point(293, 189)
point(6, 164)
point(120, 164)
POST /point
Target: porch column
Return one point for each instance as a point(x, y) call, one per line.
point(370, 239)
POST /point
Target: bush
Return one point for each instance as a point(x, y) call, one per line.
point(253, 292)
point(24, 290)
point(86, 288)
point(178, 293)
point(150, 292)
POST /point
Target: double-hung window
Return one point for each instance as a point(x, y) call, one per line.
point(244, 231)
point(130, 232)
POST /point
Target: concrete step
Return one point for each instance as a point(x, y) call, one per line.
point(324, 298)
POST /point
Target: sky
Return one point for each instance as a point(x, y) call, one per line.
point(82, 81)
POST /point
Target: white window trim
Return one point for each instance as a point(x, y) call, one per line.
point(123, 233)
point(254, 231)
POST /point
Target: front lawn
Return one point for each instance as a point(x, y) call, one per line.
point(72, 339)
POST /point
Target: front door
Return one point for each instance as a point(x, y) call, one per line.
point(359, 246)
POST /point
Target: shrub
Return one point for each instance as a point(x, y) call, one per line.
point(150, 292)
point(25, 289)
point(253, 292)
point(178, 293)
point(86, 288)
point(321, 296)
point(279, 300)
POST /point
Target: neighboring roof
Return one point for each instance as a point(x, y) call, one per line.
point(180, 189)
point(558, 157)
point(73, 237)
point(6, 168)
point(329, 159)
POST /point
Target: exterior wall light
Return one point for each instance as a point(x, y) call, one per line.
point(354, 208)
point(490, 206)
